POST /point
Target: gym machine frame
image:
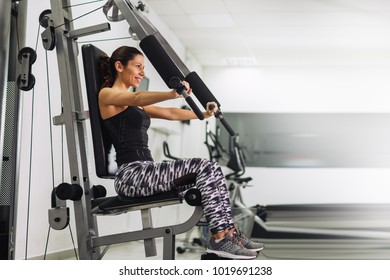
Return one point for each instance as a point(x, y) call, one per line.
point(15, 59)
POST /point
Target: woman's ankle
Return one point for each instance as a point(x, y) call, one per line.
point(220, 235)
point(231, 231)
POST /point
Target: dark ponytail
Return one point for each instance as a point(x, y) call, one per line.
point(107, 71)
point(107, 64)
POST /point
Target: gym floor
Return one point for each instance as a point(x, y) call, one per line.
point(278, 249)
point(135, 251)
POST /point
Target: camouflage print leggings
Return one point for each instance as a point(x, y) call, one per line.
point(144, 178)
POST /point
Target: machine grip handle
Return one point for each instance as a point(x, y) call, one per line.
point(225, 124)
point(175, 83)
point(219, 116)
point(195, 108)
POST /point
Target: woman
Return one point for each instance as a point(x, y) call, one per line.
point(127, 118)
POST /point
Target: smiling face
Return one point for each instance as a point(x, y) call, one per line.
point(132, 73)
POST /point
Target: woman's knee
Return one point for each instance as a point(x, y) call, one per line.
point(206, 164)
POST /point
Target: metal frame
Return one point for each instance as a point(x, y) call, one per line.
point(14, 17)
point(67, 51)
point(4, 56)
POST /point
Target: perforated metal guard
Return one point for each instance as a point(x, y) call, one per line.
point(7, 174)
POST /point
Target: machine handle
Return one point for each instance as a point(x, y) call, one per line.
point(175, 83)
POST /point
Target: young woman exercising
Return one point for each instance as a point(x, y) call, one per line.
point(127, 116)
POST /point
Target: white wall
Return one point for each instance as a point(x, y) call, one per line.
point(35, 187)
point(301, 89)
point(358, 87)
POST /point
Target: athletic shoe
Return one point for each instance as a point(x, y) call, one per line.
point(239, 238)
point(226, 248)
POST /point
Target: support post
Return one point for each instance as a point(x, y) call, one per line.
point(147, 223)
point(5, 28)
point(13, 31)
point(67, 51)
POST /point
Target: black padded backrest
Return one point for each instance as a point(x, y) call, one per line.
point(101, 141)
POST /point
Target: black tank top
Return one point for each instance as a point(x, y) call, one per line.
point(128, 131)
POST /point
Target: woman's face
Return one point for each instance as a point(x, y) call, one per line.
point(133, 72)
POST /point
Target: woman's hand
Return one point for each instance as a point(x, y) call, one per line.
point(188, 90)
point(187, 85)
point(210, 112)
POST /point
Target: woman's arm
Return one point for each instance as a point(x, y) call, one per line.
point(113, 97)
point(177, 113)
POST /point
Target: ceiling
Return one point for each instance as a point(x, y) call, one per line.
point(280, 32)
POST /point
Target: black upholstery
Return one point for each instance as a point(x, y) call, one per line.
point(119, 202)
point(101, 141)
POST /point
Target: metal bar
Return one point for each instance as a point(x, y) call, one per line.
point(5, 28)
point(74, 34)
point(169, 245)
point(13, 29)
point(19, 39)
point(139, 24)
point(151, 233)
point(66, 47)
point(147, 223)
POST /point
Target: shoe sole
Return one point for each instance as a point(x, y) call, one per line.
point(256, 250)
point(223, 254)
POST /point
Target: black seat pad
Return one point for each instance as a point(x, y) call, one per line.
point(118, 202)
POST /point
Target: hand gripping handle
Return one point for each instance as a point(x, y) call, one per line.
point(176, 84)
point(219, 116)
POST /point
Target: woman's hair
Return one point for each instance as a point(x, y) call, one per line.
point(107, 64)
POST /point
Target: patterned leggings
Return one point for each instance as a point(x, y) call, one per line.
point(144, 178)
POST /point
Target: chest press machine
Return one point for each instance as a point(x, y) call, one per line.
point(90, 201)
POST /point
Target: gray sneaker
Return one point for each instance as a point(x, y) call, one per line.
point(247, 243)
point(226, 248)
